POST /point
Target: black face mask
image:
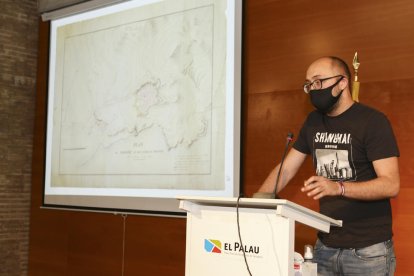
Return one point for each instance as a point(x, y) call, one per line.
point(323, 100)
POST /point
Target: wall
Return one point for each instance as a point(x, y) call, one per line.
point(18, 51)
point(280, 39)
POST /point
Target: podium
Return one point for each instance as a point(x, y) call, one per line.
point(267, 228)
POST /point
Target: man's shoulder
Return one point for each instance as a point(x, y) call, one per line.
point(315, 114)
point(358, 111)
point(366, 112)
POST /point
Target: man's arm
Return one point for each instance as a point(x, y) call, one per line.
point(291, 165)
point(386, 185)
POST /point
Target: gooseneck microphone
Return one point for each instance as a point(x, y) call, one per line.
point(289, 138)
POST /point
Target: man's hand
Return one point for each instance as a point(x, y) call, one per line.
point(319, 186)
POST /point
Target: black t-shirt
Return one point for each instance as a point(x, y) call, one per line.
point(343, 148)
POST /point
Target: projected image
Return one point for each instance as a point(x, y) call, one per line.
point(144, 100)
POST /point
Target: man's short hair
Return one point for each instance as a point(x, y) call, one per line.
point(342, 64)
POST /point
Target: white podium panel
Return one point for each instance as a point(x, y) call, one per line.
point(267, 229)
point(213, 246)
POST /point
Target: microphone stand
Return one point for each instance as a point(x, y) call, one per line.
point(274, 195)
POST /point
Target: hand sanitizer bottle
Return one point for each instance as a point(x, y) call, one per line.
point(309, 268)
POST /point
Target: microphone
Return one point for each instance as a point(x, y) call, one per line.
point(273, 195)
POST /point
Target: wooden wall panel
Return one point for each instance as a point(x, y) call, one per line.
point(281, 38)
point(155, 244)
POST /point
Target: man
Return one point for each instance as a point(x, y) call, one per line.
point(355, 154)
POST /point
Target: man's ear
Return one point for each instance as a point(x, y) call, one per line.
point(343, 83)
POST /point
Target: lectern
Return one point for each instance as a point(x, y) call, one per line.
point(267, 228)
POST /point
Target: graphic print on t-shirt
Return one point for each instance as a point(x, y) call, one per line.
point(333, 156)
point(333, 164)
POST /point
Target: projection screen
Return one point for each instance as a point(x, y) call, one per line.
point(144, 105)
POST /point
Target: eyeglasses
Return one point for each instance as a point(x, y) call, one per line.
point(317, 84)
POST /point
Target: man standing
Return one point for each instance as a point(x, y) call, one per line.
point(355, 154)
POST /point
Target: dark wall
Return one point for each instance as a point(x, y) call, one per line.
point(18, 52)
point(281, 38)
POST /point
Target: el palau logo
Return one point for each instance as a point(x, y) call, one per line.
point(212, 246)
point(216, 246)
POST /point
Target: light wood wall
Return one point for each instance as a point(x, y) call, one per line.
point(281, 38)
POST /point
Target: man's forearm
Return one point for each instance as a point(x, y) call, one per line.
point(375, 189)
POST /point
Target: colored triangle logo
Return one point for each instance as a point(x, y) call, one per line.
point(212, 246)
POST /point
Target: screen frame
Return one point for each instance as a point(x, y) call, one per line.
point(165, 203)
